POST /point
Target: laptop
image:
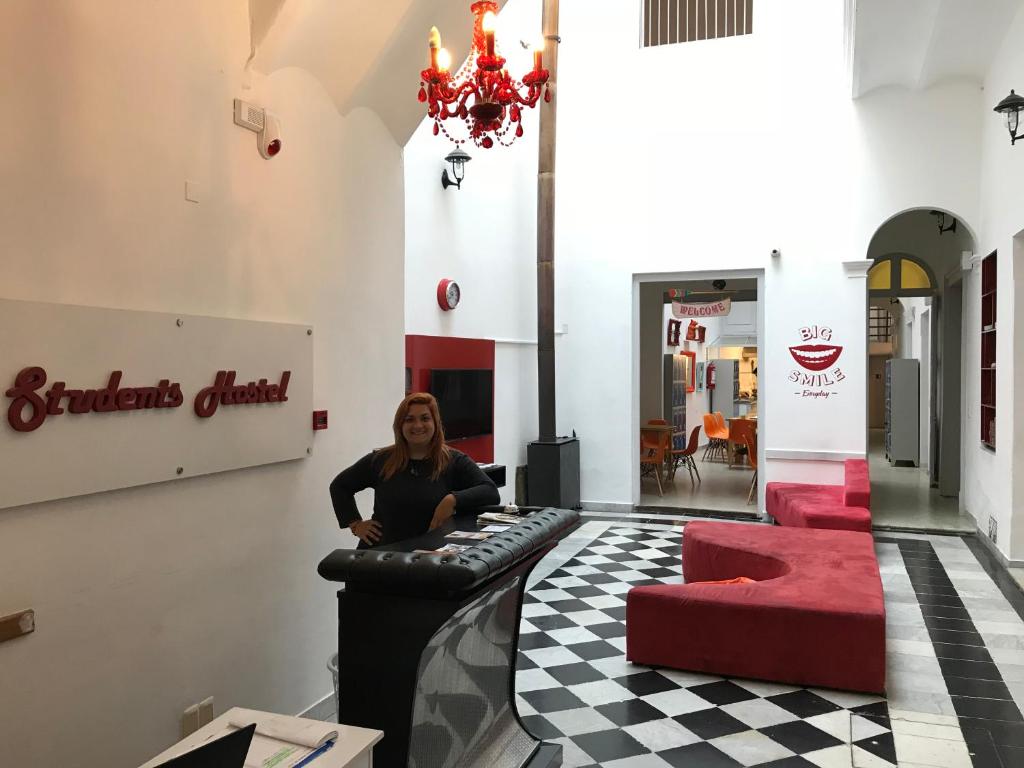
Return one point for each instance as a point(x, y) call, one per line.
point(226, 752)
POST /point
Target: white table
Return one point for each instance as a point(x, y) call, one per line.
point(353, 749)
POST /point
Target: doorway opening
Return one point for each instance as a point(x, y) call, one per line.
point(698, 418)
point(916, 372)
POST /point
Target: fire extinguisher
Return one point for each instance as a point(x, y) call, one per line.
point(711, 375)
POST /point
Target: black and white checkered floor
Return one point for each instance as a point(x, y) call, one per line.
point(574, 686)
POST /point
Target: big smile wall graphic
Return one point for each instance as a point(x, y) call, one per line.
point(818, 358)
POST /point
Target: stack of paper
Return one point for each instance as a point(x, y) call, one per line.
point(499, 517)
point(475, 535)
point(282, 742)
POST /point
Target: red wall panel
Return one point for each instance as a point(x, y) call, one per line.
point(423, 353)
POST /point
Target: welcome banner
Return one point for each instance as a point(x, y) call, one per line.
point(706, 309)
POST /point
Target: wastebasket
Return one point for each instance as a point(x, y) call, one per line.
point(332, 664)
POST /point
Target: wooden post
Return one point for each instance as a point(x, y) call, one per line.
point(546, 231)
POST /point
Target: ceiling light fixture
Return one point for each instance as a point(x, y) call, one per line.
point(481, 93)
point(1010, 108)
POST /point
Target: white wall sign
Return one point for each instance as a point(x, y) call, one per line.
point(97, 399)
point(705, 309)
point(818, 373)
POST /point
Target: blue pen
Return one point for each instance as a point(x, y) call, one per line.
point(314, 754)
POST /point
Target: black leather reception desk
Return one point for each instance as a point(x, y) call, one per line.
point(427, 645)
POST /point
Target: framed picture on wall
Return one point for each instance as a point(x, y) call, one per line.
point(700, 377)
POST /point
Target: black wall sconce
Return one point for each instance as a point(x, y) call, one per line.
point(458, 159)
point(943, 226)
point(1010, 108)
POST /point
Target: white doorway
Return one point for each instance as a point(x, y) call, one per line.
point(719, 482)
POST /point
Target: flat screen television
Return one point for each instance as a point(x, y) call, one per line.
point(466, 401)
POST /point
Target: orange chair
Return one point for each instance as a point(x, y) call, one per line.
point(685, 456)
point(654, 446)
point(751, 441)
point(739, 430)
point(718, 435)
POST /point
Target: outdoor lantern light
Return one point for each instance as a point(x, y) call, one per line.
point(482, 94)
point(458, 159)
point(943, 227)
point(1010, 108)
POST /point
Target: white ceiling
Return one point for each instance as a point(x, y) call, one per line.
point(918, 43)
point(366, 54)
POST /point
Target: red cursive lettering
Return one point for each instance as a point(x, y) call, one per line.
point(224, 391)
point(28, 409)
point(24, 393)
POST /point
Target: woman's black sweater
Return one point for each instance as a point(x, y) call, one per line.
point(404, 504)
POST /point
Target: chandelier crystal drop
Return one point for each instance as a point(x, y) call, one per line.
point(481, 93)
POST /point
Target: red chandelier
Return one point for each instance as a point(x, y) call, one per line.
point(498, 99)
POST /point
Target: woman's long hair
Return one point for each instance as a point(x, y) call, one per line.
point(398, 454)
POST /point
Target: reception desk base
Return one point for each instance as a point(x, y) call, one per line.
point(427, 645)
point(437, 677)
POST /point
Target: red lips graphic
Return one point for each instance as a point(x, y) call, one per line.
point(816, 357)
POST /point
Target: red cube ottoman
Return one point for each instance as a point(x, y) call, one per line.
point(845, 507)
point(814, 616)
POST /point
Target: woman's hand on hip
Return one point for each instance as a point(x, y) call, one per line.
point(368, 531)
point(443, 511)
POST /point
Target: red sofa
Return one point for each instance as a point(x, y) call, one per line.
point(815, 616)
point(845, 507)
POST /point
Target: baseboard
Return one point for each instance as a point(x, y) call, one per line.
point(606, 506)
point(996, 552)
point(787, 454)
point(321, 710)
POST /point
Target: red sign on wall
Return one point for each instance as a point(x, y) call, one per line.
point(818, 357)
point(30, 407)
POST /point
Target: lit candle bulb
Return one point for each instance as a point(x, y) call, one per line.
point(538, 55)
point(444, 60)
point(488, 24)
point(434, 41)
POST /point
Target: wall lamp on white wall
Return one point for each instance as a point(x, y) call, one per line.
point(1010, 108)
point(458, 159)
point(943, 226)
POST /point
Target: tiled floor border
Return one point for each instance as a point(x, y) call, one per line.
point(997, 572)
point(990, 719)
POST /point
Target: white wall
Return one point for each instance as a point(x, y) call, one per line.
point(149, 599)
point(993, 487)
point(798, 167)
point(484, 237)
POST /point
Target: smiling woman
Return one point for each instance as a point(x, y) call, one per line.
point(418, 481)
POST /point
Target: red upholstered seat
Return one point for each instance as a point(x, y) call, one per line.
point(840, 507)
point(816, 615)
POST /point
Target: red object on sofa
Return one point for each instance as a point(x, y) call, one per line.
point(815, 616)
point(844, 507)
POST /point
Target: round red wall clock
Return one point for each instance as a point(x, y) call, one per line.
point(448, 294)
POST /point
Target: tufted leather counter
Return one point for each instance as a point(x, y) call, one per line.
point(427, 645)
point(410, 573)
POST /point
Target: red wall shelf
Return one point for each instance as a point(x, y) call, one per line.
point(988, 351)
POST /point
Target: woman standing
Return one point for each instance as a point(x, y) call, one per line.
point(418, 482)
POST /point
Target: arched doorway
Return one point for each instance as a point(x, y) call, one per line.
point(915, 372)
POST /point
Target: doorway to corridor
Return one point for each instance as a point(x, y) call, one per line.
point(915, 372)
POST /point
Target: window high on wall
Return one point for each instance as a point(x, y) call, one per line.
point(880, 324)
point(664, 22)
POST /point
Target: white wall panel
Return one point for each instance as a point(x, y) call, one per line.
point(82, 346)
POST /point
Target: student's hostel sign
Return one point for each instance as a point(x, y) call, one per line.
point(96, 399)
